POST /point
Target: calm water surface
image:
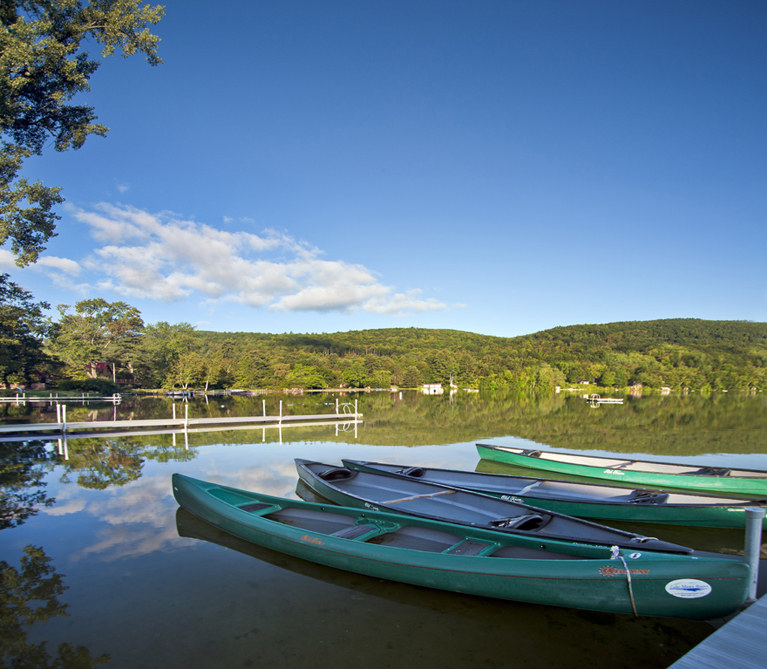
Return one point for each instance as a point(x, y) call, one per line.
point(144, 584)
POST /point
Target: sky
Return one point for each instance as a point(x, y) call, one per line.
point(494, 166)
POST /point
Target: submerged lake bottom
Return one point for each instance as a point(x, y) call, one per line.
point(145, 584)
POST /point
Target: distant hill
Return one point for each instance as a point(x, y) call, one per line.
point(645, 335)
point(678, 353)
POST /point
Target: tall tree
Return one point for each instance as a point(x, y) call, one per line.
point(97, 333)
point(23, 326)
point(43, 66)
point(161, 345)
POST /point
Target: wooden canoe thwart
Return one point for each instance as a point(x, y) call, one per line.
point(585, 500)
point(472, 560)
point(640, 472)
point(371, 490)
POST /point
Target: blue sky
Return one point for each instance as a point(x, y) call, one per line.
point(500, 167)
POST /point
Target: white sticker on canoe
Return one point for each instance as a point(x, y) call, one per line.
point(688, 588)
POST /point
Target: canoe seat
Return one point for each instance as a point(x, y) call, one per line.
point(336, 474)
point(532, 454)
point(469, 547)
point(527, 521)
point(526, 553)
point(315, 520)
point(417, 538)
point(354, 531)
point(648, 497)
point(256, 506)
point(415, 472)
point(711, 471)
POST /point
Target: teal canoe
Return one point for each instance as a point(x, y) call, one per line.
point(751, 482)
point(585, 500)
point(471, 560)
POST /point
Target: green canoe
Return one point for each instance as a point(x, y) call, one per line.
point(585, 500)
point(634, 472)
point(471, 560)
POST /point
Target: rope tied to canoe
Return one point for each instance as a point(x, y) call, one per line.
point(617, 554)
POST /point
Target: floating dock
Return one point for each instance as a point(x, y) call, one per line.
point(84, 398)
point(742, 643)
point(345, 413)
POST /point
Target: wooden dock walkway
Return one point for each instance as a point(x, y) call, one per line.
point(741, 643)
point(179, 423)
point(344, 413)
point(83, 398)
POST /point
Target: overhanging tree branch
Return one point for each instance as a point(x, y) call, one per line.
point(43, 65)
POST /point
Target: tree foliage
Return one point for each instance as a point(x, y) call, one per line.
point(98, 333)
point(677, 353)
point(44, 65)
point(23, 326)
point(156, 359)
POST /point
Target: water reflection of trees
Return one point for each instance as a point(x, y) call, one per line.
point(692, 425)
point(23, 466)
point(684, 425)
point(93, 462)
point(672, 425)
point(98, 463)
point(31, 594)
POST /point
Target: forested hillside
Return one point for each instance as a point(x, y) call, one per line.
point(679, 353)
point(110, 340)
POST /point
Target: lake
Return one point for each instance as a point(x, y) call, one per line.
point(100, 565)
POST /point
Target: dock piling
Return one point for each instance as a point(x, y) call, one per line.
point(754, 515)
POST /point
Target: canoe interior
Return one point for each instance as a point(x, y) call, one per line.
point(352, 487)
point(551, 489)
point(354, 525)
point(410, 537)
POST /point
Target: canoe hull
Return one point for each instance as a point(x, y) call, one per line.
point(728, 517)
point(661, 584)
point(717, 484)
point(700, 511)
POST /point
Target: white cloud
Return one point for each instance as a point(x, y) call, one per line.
point(61, 264)
point(164, 257)
point(7, 259)
point(108, 228)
